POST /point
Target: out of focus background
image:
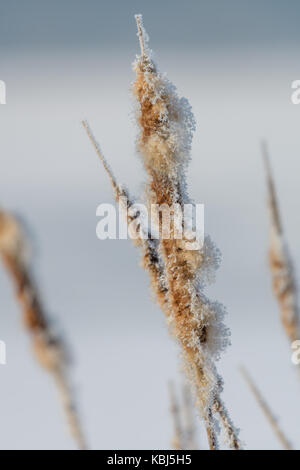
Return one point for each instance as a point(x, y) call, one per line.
point(64, 61)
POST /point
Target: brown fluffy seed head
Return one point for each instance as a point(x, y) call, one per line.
point(166, 122)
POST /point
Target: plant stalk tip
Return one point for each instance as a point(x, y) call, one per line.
point(139, 23)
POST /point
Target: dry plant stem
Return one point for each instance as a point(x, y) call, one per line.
point(273, 204)
point(232, 438)
point(150, 261)
point(96, 146)
point(162, 147)
point(283, 278)
point(198, 379)
point(189, 425)
point(172, 270)
point(266, 410)
point(162, 190)
point(49, 350)
point(153, 266)
point(183, 419)
point(178, 437)
point(65, 395)
point(140, 34)
point(150, 257)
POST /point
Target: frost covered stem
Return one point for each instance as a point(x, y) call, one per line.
point(178, 438)
point(151, 260)
point(274, 209)
point(266, 410)
point(166, 127)
point(139, 23)
point(281, 266)
point(230, 431)
point(189, 425)
point(100, 154)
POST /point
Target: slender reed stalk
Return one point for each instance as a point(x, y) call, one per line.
point(49, 349)
point(266, 410)
point(283, 276)
point(188, 418)
point(178, 433)
point(182, 412)
point(149, 247)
